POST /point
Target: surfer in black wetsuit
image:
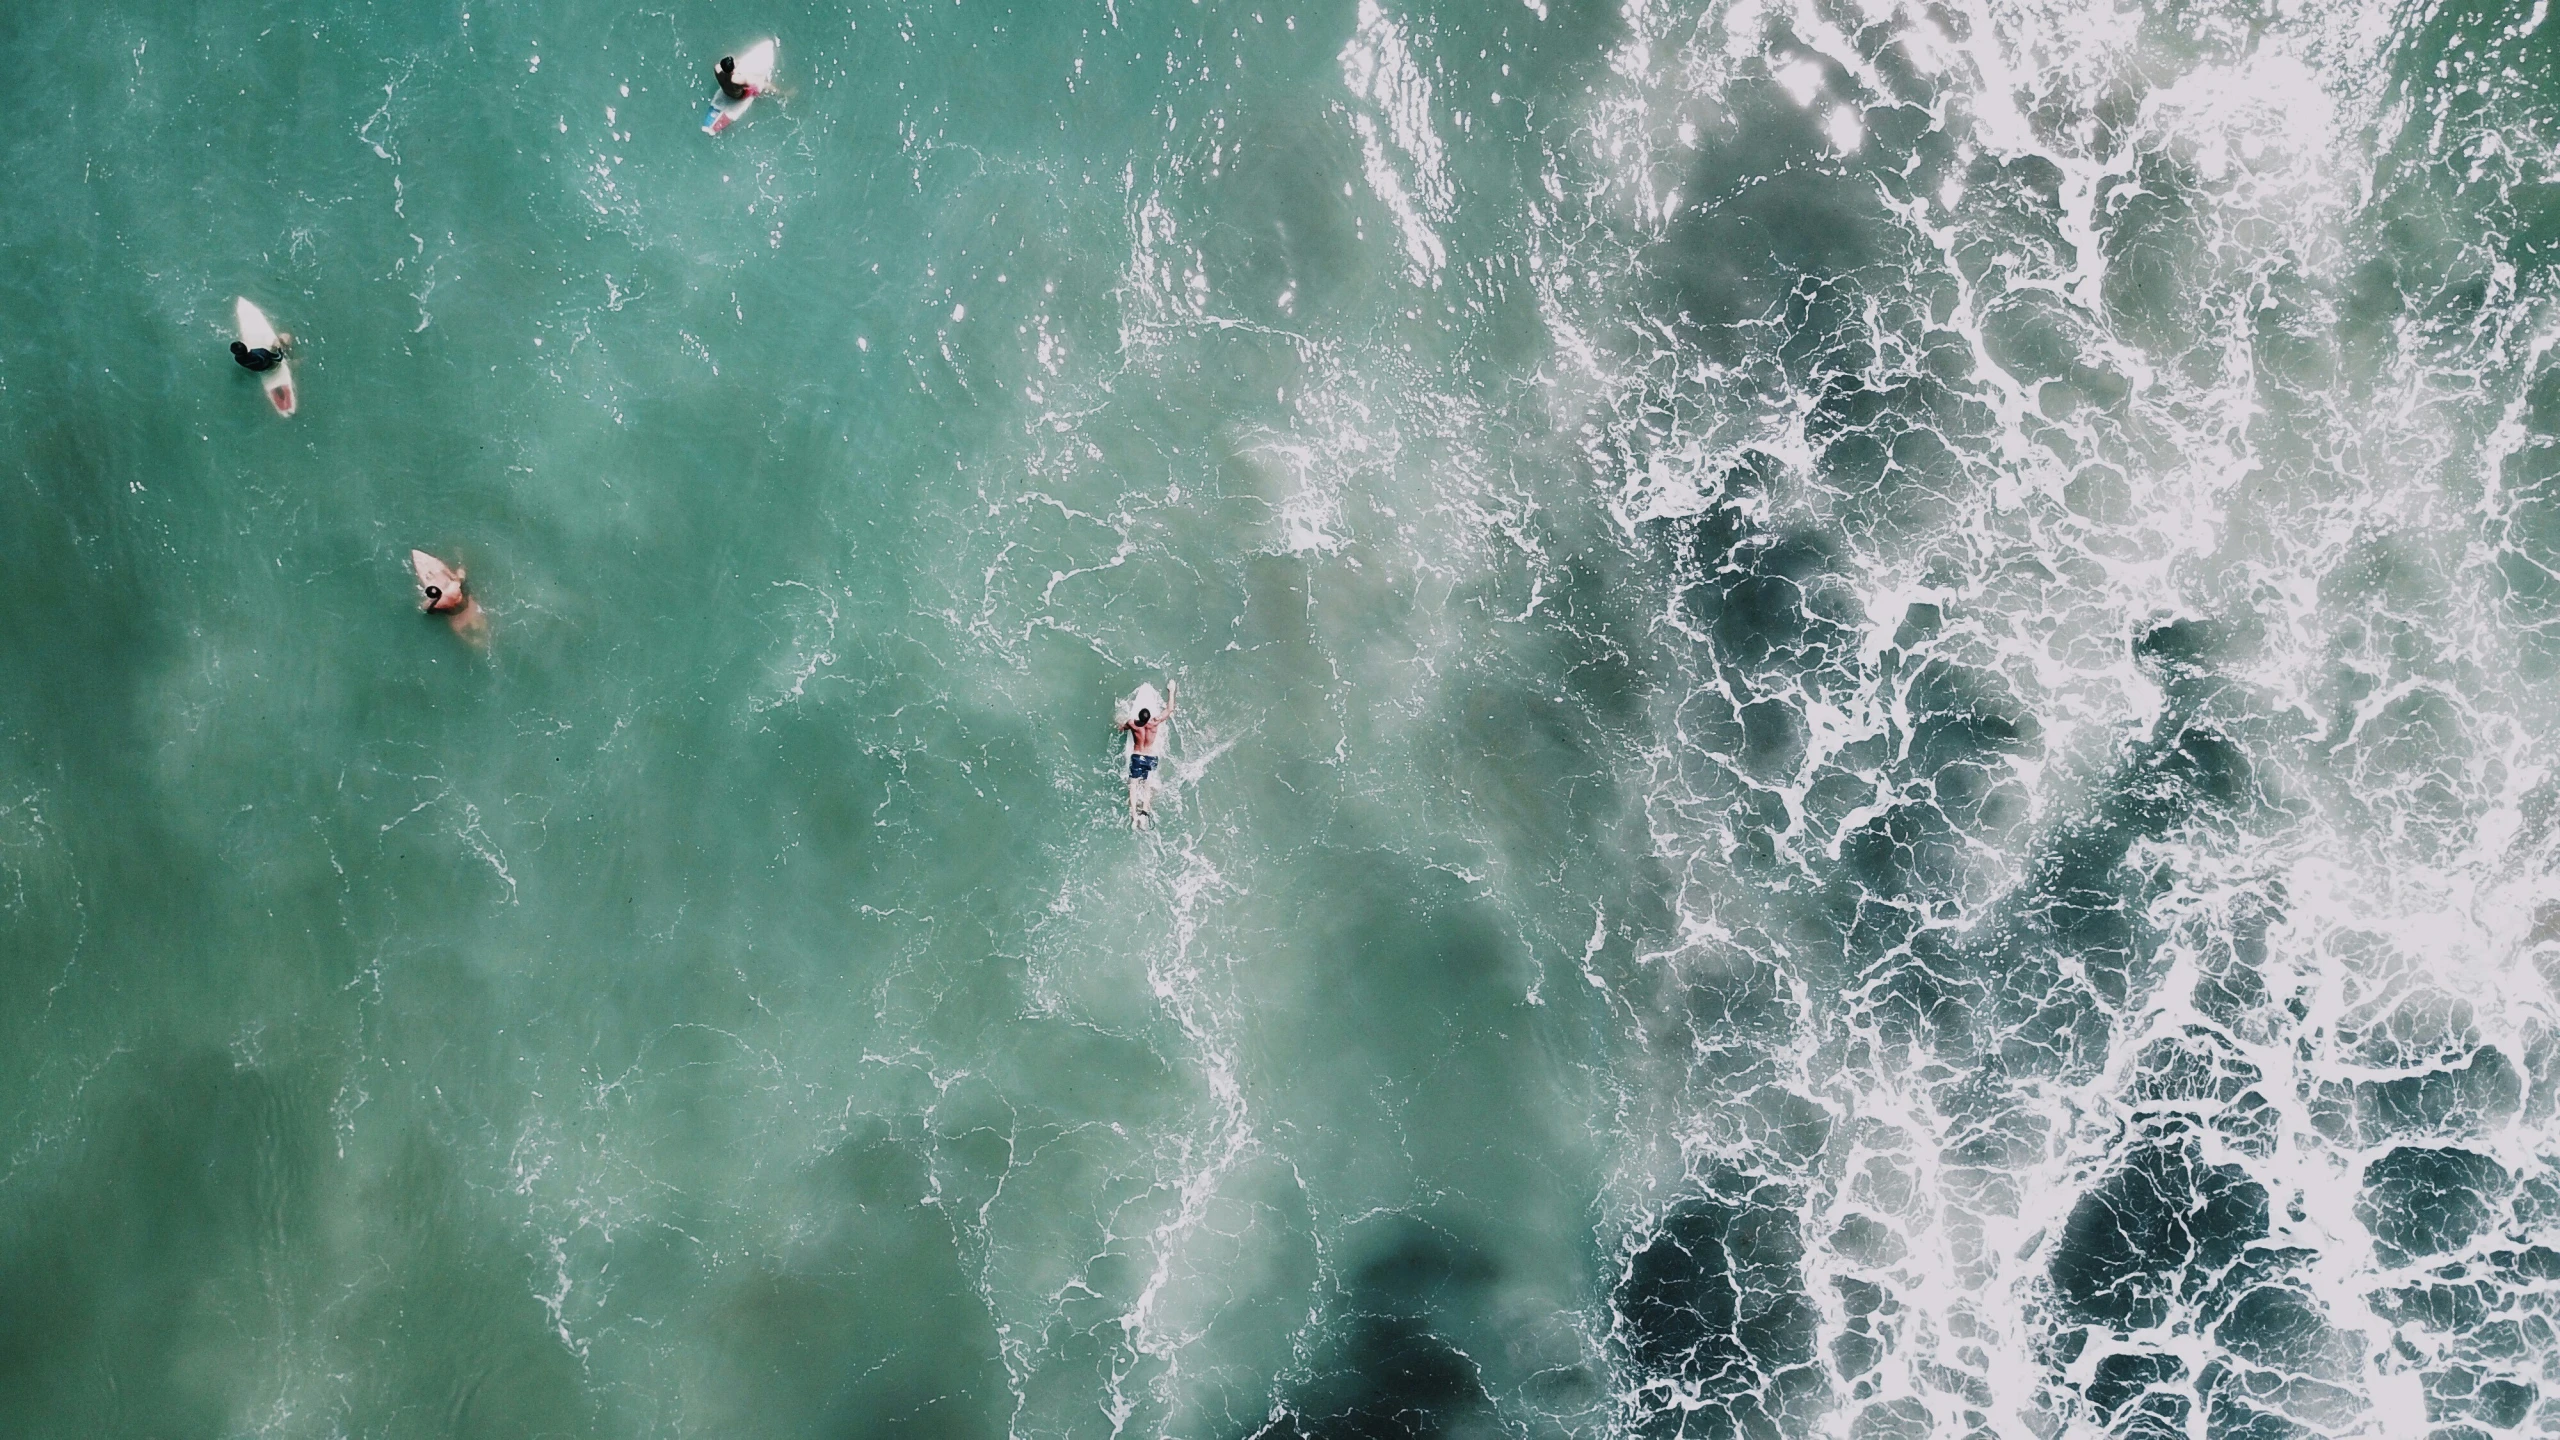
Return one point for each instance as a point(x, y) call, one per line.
point(725, 73)
point(258, 359)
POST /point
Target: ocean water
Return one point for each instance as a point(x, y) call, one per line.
point(1866, 740)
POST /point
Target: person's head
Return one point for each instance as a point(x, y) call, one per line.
point(727, 64)
point(239, 349)
point(1144, 716)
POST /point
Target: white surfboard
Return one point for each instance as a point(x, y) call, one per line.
point(755, 72)
point(257, 334)
point(433, 574)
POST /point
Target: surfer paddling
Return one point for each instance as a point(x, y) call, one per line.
point(441, 590)
point(1144, 721)
point(261, 350)
point(258, 358)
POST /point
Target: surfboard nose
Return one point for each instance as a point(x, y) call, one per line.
point(432, 571)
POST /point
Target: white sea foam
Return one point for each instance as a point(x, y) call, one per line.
point(1403, 156)
point(2403, 813)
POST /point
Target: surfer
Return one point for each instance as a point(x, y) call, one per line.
point(261, 358)
point(743, 78)
point(1146, 732)
point(442, 591)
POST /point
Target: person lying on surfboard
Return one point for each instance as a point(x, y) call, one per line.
point(261, 358)
point(724, 73)
point(441, 590)
point(1146, 732)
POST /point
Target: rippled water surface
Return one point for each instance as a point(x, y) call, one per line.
point(1868, 696)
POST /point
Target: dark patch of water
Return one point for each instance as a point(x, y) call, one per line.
point(2420, 1201)
point(1713, 1321)
point(2154, 1234)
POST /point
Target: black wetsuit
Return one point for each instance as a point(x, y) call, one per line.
point(729, 87)
point(259, 359)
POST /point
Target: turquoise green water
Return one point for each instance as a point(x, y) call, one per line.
point(1864, 698)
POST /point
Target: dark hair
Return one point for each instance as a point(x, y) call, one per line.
point(1145, 715)
point(239, 349)
point(727, 64)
